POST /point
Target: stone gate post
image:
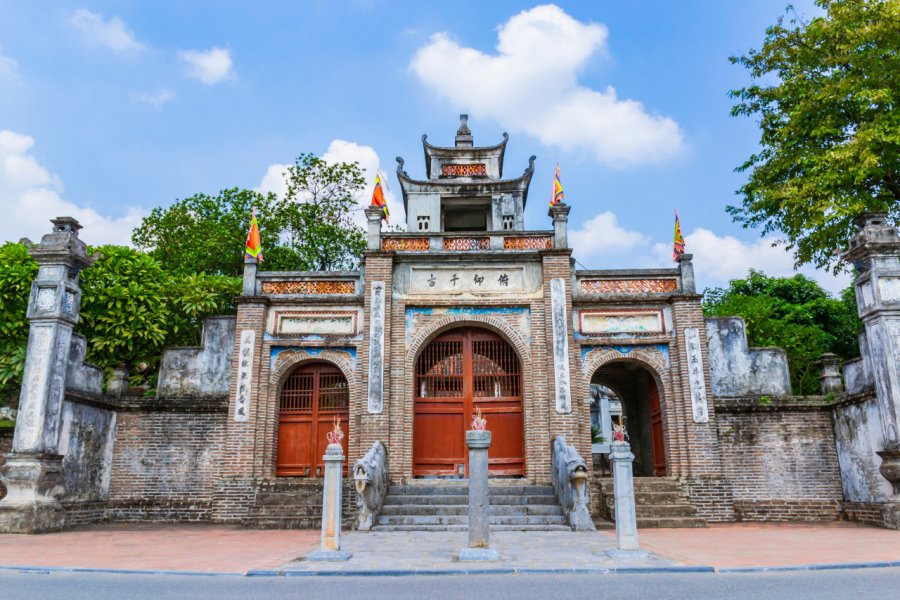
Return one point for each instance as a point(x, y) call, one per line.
point(479, 548)
point(33, 471)
point(626, 516)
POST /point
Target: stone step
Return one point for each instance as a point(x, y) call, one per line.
point(305, 510)
point(418, 520)
point(655, 511)
point(466, 528)
point(288, 499)
point(673, 522)
point(274, 522)
point(652, 499)
point(463, 509)
point(646, 484)
point(463, 489)
point(460, 499)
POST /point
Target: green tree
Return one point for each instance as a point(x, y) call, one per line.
point(825, 96)
point(17, 270)
point(792, 313)
point(311, 228)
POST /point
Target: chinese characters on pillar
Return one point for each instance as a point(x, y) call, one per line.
point(560, 345)
point(695, 373)
point(244, 376)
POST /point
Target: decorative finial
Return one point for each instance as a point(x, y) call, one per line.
point(479, 423)
point(65, 225)
point(337, 434)
point(463, 135)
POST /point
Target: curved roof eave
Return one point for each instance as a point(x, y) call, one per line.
point(430, 149)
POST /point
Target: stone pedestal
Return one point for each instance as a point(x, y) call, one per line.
point(479, 548)
point(374, 214)
point(33, 488)
point(332, 493)
point(248, 284)
point(626, 517)
point(686, 267)
point(830, 380)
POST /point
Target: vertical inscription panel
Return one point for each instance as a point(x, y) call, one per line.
point(245, 376)
point(376, 349)
point(698, 383)
point(560, 345)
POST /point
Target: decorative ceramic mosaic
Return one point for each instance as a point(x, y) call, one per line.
point(308, 287)
point(466, 243)
point(527, 243)
point(405, 244)
point(627, 286)
point(464, 170)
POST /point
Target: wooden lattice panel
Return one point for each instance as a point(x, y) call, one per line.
point(308, 287)
point(467, 243)
point(627, 286)
point(527, 243)
point(405, 244)
point(475, 170)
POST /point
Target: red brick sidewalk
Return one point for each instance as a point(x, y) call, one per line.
point(206, 548)
point(774, 544)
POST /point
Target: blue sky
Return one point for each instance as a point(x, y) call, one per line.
point(108, 109)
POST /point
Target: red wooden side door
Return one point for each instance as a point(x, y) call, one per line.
point(311, 398)
point(656, 429)
point(457, 373)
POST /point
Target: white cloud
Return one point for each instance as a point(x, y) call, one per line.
point(9, 68)
point(718, 259)
point(156, 99)
point(603, 233)
point(30, 196)
point(342, 151)
point(209, 66)
point(110, 33)
point(531, 85)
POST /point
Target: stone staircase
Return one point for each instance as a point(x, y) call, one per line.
point(443, 506)
point(659, 502)
point(292, 503)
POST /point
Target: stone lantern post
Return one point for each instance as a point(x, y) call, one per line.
point(875, 252)
point(33, 471)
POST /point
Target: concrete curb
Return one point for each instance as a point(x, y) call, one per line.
point(813, 567)
point(47, 570)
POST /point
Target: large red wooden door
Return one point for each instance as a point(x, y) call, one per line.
point(312, 396)
point(457, 373)
point(656, 428)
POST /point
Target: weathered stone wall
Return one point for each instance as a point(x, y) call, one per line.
point(6, 439)
point(86, 443)
point(737, 370)
point(203, 371)
point(857, 432)
point(81, 376)
point(780, 458)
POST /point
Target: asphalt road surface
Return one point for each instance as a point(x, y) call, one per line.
point(871, 584)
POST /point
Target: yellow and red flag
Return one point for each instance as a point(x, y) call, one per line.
point(253, 248)
point(558, 197)
point(378, 196)
point(678, 245)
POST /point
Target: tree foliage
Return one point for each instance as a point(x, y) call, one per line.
point(792, 313)
point(825, 96)
point(311, 228)
point(131, 308)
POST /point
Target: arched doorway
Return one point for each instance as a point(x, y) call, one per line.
point(458, 372)
point(311, 397)
point(633, 387)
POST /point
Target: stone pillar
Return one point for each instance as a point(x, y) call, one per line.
point(374, 215)
point(626, 517)
point(830, 374)
point(332, 493)
point(248, 288)
point(874, 251)
point(686, 266)
point(33, 471)
point(560, 214)
point(479, 548)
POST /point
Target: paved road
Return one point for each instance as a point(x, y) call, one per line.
point(871, 584)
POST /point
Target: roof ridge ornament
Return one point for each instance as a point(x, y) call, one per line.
point(463, 134)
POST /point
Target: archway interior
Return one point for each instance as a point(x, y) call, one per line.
point(312, 396)
point(459, 372)
point(634, 388)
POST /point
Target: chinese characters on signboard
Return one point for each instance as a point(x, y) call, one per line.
point(244, 376)
point(462, 280)
point(695, 373)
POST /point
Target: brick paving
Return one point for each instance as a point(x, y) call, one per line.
point(225, 549)
point(203, 548)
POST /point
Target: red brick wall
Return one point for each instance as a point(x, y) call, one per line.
point(781, 460)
